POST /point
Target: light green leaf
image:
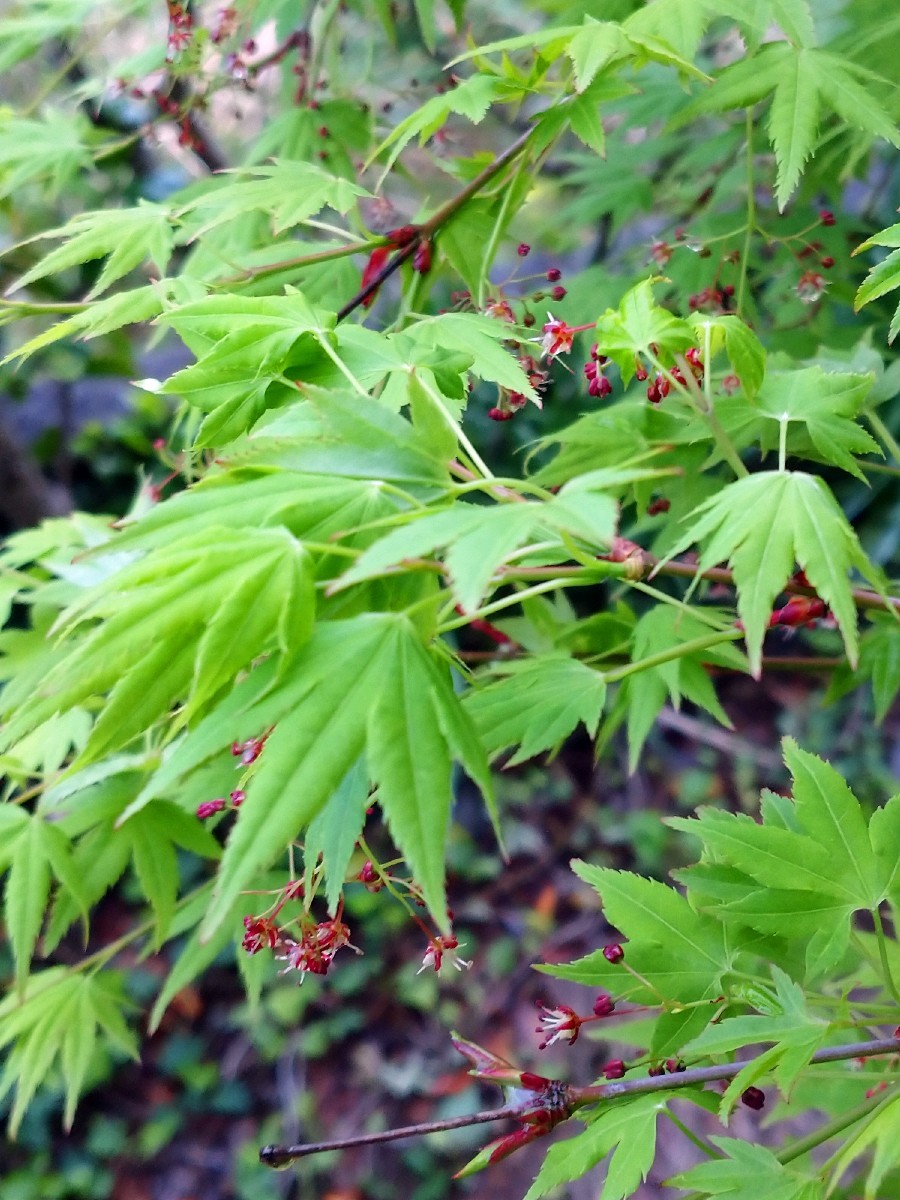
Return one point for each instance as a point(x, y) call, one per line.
point(744, 349)
point(27, 889)
point(884, 833)
point(333, 833)
point(171, 630)
point(878, 1133)
point(775, 857)
point(765, 523)
point(291, 191)
point(52, 150)
point(410, 762)
point(471, 99)
point(636, 325)
point(647, 911)
point(594, 47)
point(825, 404)
point(747, 1172)
point(793, 120)
point(628, 1128)
point(831, 814)
point(536, 705)
point(125, 237)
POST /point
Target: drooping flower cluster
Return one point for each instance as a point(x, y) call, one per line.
point(314, 953)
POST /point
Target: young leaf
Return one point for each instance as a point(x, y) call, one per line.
point(288, 190)
point(125, 237)
point(628, 1128)
point(878, 1133)
point(826, 405)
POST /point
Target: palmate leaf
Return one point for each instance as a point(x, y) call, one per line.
point(38, 852)
point(626, 1128)
point(536, 704)
point(744, 349)
point(746, 1172)
point(675, 954)
point(801, 80)
point(763, 525)
point(317, 508)
point(637, 325)
point(178, 625)
point(52, 150)
point(479, 538)
point(56, 1023)
point(340, 696)
point(884, 833)
point(334, 434)
point(132, 307)
point(332, 835)
point(646, 692)
point(125, 237)
point(471, 99)
point(825, 404)
point(291, 191)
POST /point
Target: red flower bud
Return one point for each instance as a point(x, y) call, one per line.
point(422, 257)
point(604, 1005)
point(753, 1098)
point(613, 953)
point(614, 1069)
point(554, 274)
point(209, 808)
point(523, 249)
point(402, 236)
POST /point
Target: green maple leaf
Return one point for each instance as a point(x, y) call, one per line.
point(290, 191)
point(824, 404)
point(362, 684)
point(626, 1129)
point(125, 237)
point(55, 1024)
point(801, 80)
point(536, 704)
point(646, 692)
point(637, 325)
point(177, 626)
point(746, 1172)
point(53, 149)
point(763, 525)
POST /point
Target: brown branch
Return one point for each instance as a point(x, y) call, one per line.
point(283, 1156)
point(426, 231)
point(575, 1098)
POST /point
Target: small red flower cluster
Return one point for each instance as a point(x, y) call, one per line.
point(598, 384)
point(314, 952)
point(250, 750)
point(209, 808)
